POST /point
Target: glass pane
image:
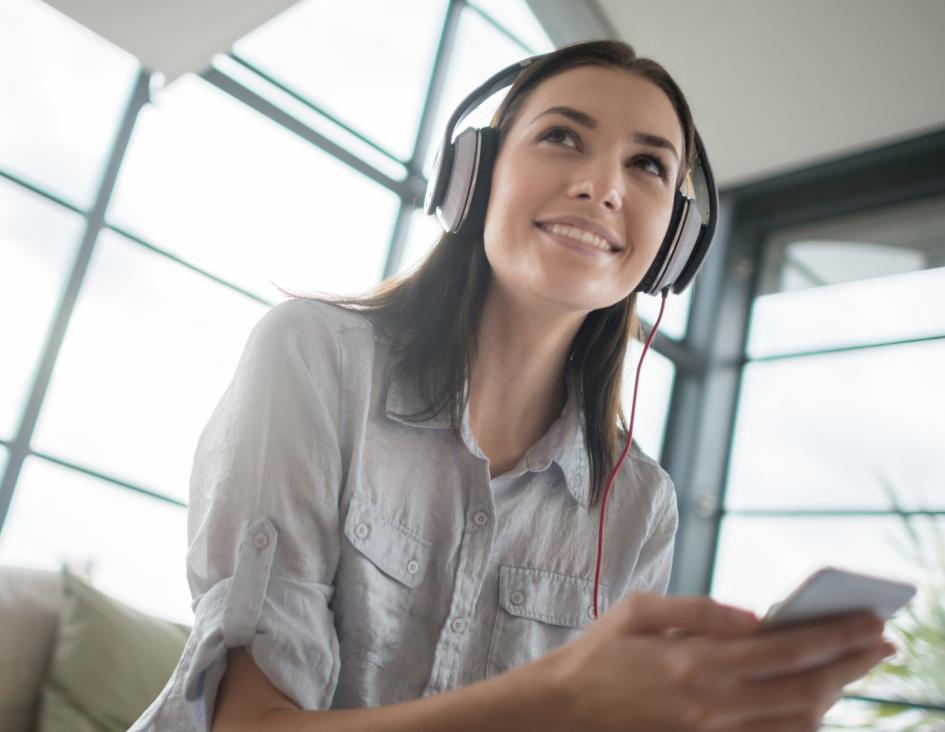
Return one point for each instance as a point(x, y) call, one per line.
point(150, 349)
point(865, 279)
point(761, 560)
point(366, 62)
point(423, 234)
point(38, 243)
point(896, 307)
point(64, 90)
point(656, 388)
point(132, 546)
point(515, 16)
point(842, 431)
point(309, 117)
point(222, 187)
point(675, 316)
point(480, 51)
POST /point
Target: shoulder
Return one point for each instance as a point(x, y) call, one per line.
point(647, 483)
point(310, 327)
point(304, 317)
point(648, 471)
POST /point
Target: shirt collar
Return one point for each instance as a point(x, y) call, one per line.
point(563, 444)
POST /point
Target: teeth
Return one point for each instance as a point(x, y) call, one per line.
point(580, 235)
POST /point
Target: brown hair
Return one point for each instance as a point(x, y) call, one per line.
point(431, 315)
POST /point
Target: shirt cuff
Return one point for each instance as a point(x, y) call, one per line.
point(286, 624)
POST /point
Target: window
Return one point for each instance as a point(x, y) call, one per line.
point(220, 200)
point(675, 316)
point(38, 243)
point(481, 50)
point(132, 545)
point(837, 451)
point(258, 206)
point(373, 79)
point(656, 385)
point(63, 90)
point(150, 348)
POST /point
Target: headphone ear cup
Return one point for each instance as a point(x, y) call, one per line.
point(439, 179)
point(649, 279)
point(475, 217)
point(694, 264)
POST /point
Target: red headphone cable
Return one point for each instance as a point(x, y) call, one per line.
point(623, 455)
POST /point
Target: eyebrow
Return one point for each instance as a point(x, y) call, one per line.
point(586, 120)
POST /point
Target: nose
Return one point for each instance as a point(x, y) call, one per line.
point(600, 183)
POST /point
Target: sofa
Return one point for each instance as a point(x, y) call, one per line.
point(75, 659)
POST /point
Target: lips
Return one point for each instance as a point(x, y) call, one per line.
point(583, 231)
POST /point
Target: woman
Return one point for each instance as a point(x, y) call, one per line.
point(395, 505)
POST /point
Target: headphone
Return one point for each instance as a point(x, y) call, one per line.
point(458, 191)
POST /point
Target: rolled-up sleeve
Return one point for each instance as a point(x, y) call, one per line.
point(264, 535)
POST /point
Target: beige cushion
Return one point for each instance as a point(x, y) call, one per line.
point(29, 609)
point(109, 663)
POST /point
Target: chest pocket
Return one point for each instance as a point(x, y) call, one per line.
point(383, 564)
point(538, 612)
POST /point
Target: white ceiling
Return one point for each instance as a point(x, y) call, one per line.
point(776, 85)
point(773, 84)
point(172, 36)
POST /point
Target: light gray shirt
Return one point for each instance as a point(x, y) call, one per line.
point(364, 559)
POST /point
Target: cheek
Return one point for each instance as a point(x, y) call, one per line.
point(506, 210)
point(656, 225)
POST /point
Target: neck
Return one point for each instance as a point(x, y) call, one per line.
point(517, 385)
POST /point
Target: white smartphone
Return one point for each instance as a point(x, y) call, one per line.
point(831, 591)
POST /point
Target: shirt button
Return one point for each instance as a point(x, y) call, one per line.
point(590, 612)
point(260, 541)
point(481, 519)
point(412, 566)
point(458, 625)
point(361, 531)
point(517, 597)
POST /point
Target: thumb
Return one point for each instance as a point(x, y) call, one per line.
point(649, 613)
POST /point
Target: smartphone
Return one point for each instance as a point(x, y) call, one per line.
point(830, 591)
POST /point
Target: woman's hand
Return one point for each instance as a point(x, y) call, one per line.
point(662, 664)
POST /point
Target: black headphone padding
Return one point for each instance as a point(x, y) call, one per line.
point(488, 151)
point(646, 284)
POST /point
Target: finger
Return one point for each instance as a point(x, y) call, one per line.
point(649, 613)
point(795, 649)
point(780, 724)
point(854, 666)
point(807, 694)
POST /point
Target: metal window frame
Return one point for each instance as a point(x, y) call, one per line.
point(19, 448)
point(409, 191)
point(705, 403)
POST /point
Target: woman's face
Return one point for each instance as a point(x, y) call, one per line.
point(582, 190)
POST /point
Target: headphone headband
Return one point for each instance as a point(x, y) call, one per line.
point(499, 80)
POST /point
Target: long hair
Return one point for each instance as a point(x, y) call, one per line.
point(430, 316)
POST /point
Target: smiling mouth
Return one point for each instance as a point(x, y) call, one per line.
point(579, 236)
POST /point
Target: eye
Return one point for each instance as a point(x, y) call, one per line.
point(560, 135)
point(654, 165)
